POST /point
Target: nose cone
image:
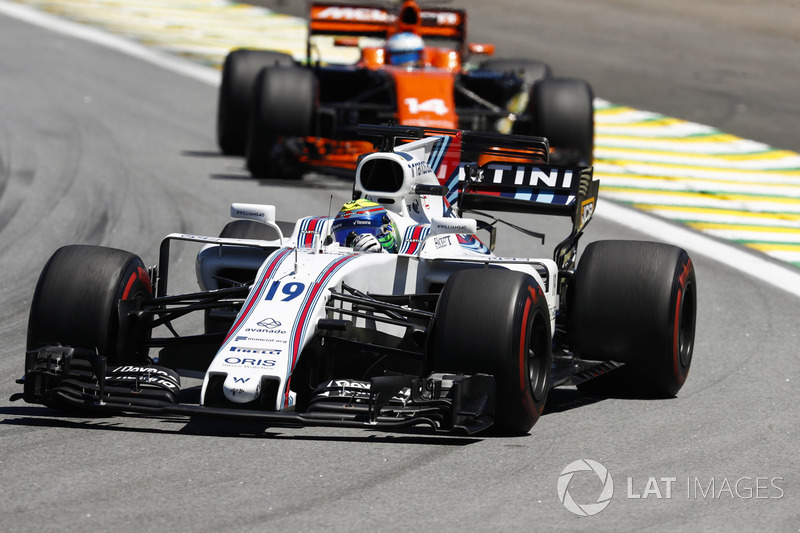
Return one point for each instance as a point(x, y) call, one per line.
point(241, 390)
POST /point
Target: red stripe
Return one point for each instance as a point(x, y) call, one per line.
point(257, 294)
point(413, 241)
point(523, 335)
point(297, 334)
point(527, 399)
point(311, 300)
point(675, 336)
point(311, 232)
point(129, 285)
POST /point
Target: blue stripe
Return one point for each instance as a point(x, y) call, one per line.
point(439, 149)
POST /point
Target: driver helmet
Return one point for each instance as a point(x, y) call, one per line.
point(405, 49)
point(362, 217)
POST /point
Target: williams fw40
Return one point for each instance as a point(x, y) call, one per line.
point(407, 64)
point(391, 314)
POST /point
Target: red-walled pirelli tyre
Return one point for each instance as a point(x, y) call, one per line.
point(635, 302)
point(497, 322)
point(75, 301)
point(236, 93)
point(284, 105)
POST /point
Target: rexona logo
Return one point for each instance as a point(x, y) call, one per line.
point(587, 209)
point(585, 509)
point(361, 14)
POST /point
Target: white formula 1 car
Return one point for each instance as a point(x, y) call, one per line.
point(430, 327)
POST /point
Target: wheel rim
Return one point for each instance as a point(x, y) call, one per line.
point(538, 362)
point(686, 327)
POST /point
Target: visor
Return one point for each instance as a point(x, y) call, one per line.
point(404, 58)
point(341, 234)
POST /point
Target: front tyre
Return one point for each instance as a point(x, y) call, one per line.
point(497, 322)
point(635, 302)
point(76, 298)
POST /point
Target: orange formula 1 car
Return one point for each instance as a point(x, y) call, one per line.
point(415, 68)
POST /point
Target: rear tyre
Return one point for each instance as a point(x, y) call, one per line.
point(236, 93)
point(284, 104)
point(562, 110)
point(635, 302)
point(497, 322)
point(75, 302)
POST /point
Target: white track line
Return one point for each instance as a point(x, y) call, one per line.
point(99, 37)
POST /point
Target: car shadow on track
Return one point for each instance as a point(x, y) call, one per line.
point(34, 416)
point(560, 400)
point(45, 417)
point(211, 154)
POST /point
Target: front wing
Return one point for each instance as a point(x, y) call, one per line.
point(69, 378)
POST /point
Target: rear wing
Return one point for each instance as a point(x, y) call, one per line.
point(529, 188)
point(536, 189)
point(326, 18)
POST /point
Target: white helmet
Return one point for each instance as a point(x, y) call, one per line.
point(404, 49)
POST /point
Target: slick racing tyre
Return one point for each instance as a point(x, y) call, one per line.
point(284, 103)
point(497, 322)
point(529, 70)
point(634, 302)
point(236, 92)
point(76, 297)
point(562, 110)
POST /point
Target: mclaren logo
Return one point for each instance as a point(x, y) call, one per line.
point(361, 14)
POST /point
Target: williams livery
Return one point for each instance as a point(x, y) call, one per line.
point(392, 313)
point(414, 67)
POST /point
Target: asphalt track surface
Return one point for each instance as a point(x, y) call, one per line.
point(98, 147)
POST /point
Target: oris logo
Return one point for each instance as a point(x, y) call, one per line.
point(250, 361)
